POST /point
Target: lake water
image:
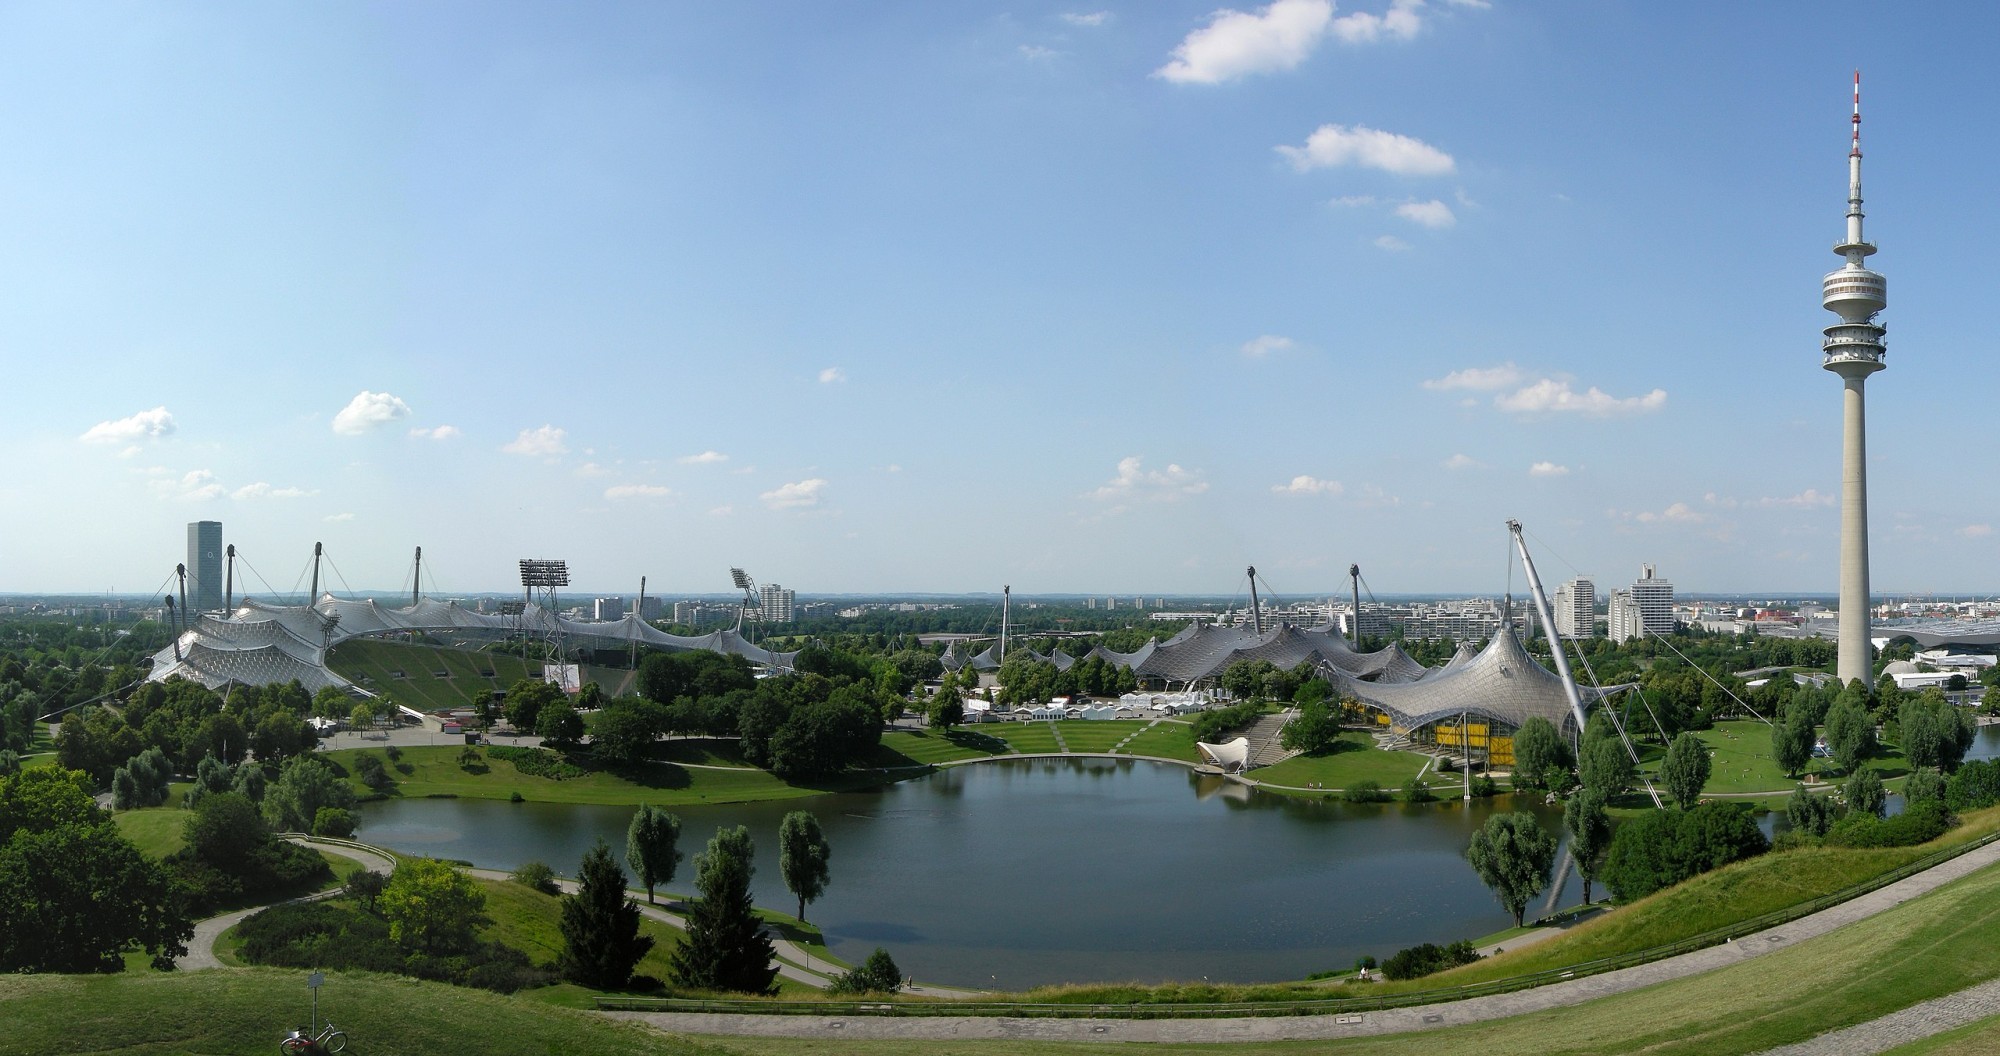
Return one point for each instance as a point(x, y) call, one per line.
point(1019, 873)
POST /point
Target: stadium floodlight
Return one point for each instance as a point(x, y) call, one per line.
point(543, 573)
point(741, 578)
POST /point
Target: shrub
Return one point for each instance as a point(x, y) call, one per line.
point(1484, 787)
point(336, 822)
point(1976, 784)
point(373, 773)
point(1211, 724)
point(1925, 820)
point(1417, 792)
point(1427, 958)
point(878, 974)
point(366, 886)
point(1924, 784)
point(1366, 792)
point(537, 875)
point(537, 762)
point(1664, 847)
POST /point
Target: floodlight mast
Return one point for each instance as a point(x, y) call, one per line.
point(749, 588)
point(229, 580)
point(1256, 611)
point(545, 575)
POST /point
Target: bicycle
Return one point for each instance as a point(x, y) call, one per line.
point(299, 1043)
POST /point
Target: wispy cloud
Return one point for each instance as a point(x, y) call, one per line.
point(263, 490)
point(617, 492)
point(1392, 244)
point(1259, 347)
point(1552, 395)
point(1134, 482)
point(198, 485)
point(1307, 485)
point(546, 441)
point(832, 375)
point(146, 425)
point(1352, 201)
point(1548, 469)
point(1463, 461)
point(1432, 214)
point(1400, 22)
point(1477, 378)
point(436, 432)
point(721, 511)
point(1335, 146)
point(1678, 513)
point(1085, 18)
point(796, 495)
point(706, 458)
point(1976, 531)
point(1038, 53)
point(592, 469)
point(336, 518)
point(367, 411)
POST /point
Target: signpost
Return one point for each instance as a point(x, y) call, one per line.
point(313, 982)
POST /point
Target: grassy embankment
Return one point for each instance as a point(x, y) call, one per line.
point(1354, 759)
point(1926, 948)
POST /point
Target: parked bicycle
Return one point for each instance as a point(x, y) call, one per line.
point(300, 1043)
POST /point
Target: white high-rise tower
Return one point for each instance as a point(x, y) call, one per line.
point(1854, 350)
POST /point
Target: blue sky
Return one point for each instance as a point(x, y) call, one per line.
point(935, 297)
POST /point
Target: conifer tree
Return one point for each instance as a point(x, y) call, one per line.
point(600, 927)
point(725, 948)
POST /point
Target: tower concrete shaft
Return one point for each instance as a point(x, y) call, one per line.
point(1854, 349)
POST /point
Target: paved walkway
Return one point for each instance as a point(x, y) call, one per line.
point(1389, 1021)
point(1918, 1021)
point(201, 948)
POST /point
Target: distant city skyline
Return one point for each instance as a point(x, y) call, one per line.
point(917, 298)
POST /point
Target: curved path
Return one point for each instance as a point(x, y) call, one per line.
point(201, 948)
point(1348, 1025)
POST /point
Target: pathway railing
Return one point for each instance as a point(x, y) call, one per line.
point(1303, 1007)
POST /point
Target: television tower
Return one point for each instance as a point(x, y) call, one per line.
point(1854, 350)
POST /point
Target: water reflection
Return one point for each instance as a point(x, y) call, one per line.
point(1015, 874)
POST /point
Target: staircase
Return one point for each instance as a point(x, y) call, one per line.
point(1263, 736)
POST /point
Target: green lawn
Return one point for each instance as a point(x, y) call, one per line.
point(941, 746)
point(1743, 763)
point(531, 922)
point(435, 771)
point(1167, 740)
point(1356, 760)
point(1098, 735)
point(1028, 738)
point(156, 831)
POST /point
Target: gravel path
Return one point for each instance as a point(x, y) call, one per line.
point(1396, 1021)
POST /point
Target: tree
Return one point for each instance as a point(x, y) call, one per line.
point(1664, 847)
point(1810, 814)
point(1686, 768)
point(600, 926)
point(363, 716)
point(305, 785)
point(431, 907)
point(802, 857)
point(559, 725)
point(947, 708)
point(1850, 734)
point(1513, 855)
point(1792, 741)
point(1864, 793)
point(1923, 785)
point(1313, 730)
point(876, 975)
point(1606, 766)
point(525, 701)
point(1538, 749)
point(1589, 834)
point(650, 846)
point(626, 729)
point(225, 830)
point(725, 947)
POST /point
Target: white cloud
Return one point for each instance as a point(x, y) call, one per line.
point(197, 485)
point(1806, 499)
point(1234, 44)
point(368, 410)
point(1479, 378)
point(1086, 18)
point(893, 468)
point(1352, 201)
point(1399, 22)
point(1134, 482)
point(1259, 347)
point(1372, 496)
point(636, 491)
point(831, 375)
point(722, 511)
point(1305, 485)
point(592, 469)
point(547, 440)
point(1392, 244)
point(1976, 531)
point(706, 458)
point(1463, 461)
point(1037, 53)
point(799, 493)
point(439, 432)
point(335, 518)
point(146, 425)
point(1678, 513)
point(1552, 395)
point(1432, 214)
point(1548, 469)
point(1332, 146)
point(262, 490)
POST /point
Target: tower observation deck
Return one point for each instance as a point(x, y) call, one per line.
point(1854, 349)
